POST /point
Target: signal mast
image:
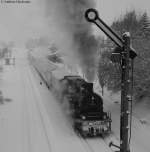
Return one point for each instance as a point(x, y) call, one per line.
point(126, 54)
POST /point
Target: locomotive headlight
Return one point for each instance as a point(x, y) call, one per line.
point(83, 117)
point(90, 123)
point(105, 128)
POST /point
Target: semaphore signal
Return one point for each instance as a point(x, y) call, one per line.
point(127, 54)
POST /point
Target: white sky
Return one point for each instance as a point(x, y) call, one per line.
point(21, 21)
point(111, 9)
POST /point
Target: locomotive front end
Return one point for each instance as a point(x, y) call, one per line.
point(95, 127)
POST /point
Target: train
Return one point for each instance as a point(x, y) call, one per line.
point(89, 117)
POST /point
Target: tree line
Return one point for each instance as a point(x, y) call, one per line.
point(109, 73)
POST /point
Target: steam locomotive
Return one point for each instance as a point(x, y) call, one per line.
point(88, 115)
point(89, 118)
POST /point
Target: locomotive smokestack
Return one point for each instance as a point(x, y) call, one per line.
point(90, 87)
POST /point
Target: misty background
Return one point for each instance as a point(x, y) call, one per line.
point(62, 22)
point(22, 21)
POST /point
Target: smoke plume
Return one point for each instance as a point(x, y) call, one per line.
point(73, 33)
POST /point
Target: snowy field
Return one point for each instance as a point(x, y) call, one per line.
point(31, 120)
point(140, 135)
point(140, 123)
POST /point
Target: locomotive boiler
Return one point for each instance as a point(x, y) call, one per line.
point(87, 106)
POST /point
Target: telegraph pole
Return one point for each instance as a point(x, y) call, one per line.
point(127, 54)
point(125, 94)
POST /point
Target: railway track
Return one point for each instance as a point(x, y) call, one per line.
point(95, 144)
point(33, 111)
point(87, 143)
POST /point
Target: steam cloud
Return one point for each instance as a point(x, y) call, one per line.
point(73, 33)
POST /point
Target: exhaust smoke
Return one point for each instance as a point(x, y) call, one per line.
point(73, 33)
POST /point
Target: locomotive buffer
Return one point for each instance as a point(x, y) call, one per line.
point(127, 54)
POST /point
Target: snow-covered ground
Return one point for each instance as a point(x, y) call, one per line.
point(140, 129)
point(140, 123)
point(31, 120)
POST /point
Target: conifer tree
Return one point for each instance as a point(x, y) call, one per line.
point(139, 27)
